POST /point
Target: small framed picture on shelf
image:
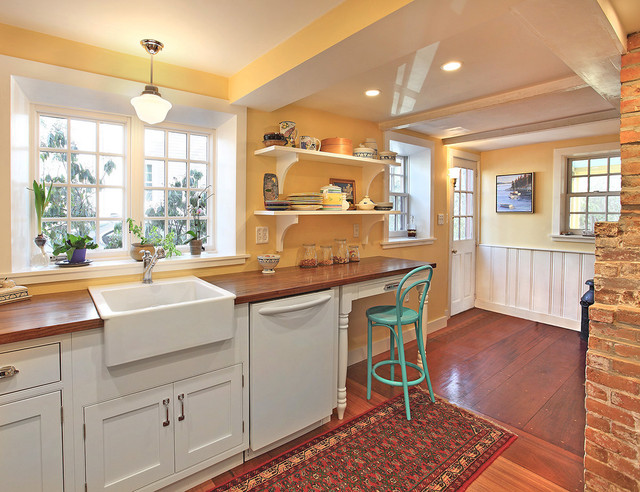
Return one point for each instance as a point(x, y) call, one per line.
point(347, 186)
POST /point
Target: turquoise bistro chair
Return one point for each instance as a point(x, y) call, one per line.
point(394, 318)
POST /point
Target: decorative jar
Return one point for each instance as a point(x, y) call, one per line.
point(341, 253)
point(309, 258)
point(354, 252)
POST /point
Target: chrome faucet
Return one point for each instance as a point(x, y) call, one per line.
point(148, 262)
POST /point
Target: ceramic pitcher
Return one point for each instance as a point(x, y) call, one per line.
point(288, 129)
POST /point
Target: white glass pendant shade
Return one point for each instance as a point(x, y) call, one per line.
point(151, 108)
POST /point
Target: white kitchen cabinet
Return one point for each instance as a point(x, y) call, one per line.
point(138, 439)
point(31, 444)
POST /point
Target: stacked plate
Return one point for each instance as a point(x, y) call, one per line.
point(306, 201)
point(277, 204)
point(331, 197)
point(384, 206)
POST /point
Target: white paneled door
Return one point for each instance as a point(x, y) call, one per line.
point(463, 232)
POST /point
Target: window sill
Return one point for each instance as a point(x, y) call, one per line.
point(573, 238)
point(116, 267)
point(403, 242)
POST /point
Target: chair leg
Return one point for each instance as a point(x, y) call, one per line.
point(369, 361)
point(392, 352)
point(403, 370)
point(423, 354)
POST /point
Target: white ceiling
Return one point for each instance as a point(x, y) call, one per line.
point(532, 70)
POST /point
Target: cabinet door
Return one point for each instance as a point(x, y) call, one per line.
point(31, 444)
point(208, 415)
point(129, 440)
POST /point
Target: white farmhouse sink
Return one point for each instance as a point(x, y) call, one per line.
point(145, 320)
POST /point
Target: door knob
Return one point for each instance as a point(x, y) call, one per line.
point(454, 251)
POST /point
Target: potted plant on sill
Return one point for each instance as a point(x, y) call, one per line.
point(144, 242)
point(197, 209)
point(75, 247)
point(150, 241)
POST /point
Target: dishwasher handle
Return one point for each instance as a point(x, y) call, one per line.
point(270, 311)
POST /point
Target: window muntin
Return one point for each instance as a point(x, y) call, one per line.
point(176, 168)
point(593, 191)
point(85, 160)
point(399, 196)
point(463, 203)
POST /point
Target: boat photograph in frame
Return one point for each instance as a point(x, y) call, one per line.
point(514, 193)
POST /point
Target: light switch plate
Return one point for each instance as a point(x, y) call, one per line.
point(440, 219)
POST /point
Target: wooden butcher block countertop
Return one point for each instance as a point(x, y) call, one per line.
point(54, 314)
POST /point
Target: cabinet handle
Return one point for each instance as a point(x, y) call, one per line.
point(181, 400)
point(268, 311)
point(165, 402)
point(8, 371)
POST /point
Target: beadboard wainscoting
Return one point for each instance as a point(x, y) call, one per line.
point(539, 285)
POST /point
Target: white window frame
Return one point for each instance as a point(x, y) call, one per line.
point(109, 95)
point(69, 113)
point(405, 193)
point(420, 153)
point(559, 206)
point(209, 245)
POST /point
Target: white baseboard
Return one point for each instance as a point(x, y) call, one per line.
point(548, 319)
point(359, 354)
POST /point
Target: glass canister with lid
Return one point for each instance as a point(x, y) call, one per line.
point(340, 251)
point(354, 252)
point(308, 256)
point(325, 257)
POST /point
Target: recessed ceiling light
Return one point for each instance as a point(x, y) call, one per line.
point(372, 92)
point(451, 66)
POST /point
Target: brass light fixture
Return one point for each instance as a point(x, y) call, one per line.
point(149, 106)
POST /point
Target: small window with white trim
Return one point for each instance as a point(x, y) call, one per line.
point(399, 196)
point(84, 160)
point(593, 192)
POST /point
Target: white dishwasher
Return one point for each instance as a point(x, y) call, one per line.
point(293, 370)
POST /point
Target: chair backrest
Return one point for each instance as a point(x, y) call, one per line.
point(402, 291)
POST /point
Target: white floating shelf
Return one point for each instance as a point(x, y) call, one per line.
point(287, 156)
point(287, 218)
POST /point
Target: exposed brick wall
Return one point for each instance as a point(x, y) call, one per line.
point(612, 435)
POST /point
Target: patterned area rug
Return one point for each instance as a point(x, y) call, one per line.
point(442, 448)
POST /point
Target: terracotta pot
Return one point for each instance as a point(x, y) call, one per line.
point(135, 251)
point(195, 245)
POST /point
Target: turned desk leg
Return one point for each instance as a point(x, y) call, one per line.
point(343, 352)
point(424, 325)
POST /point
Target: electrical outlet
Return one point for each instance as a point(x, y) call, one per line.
point(262, 235)
point(440, 219)
point(356, 230)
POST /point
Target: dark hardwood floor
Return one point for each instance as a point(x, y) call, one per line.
point(526, 376)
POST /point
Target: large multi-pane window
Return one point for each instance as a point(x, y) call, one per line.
point(593, 192)
point(176, 169)
point(399, 196)
point(84, 159)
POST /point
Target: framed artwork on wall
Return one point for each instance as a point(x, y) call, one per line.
point(514, 193)
point(347, 186)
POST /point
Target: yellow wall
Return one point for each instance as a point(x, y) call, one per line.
point(525, 230)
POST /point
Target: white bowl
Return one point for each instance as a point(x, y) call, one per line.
point(363, 152)
point(268, 262)
point(388, 155)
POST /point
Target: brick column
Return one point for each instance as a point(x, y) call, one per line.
point(612, 435)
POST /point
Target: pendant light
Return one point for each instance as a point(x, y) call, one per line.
point(149, 106)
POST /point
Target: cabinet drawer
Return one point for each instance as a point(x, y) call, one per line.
point(36, 365)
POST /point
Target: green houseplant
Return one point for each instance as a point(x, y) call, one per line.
point(150, 241)
point(197, 210)
point(41, 199)
point(74, 246)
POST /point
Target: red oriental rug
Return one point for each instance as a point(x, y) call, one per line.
point(441, 448)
